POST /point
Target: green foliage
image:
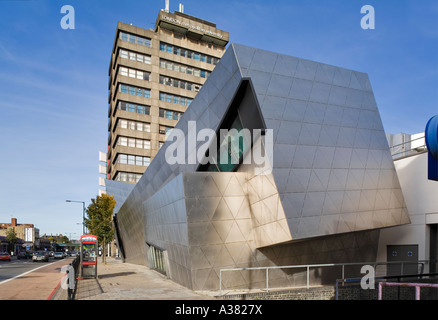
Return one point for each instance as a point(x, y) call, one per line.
point(99, 220)
point(11, 237)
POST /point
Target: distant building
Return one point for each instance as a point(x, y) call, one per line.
point(417, 241)
point(28, 235)
point(3, 244)
point(25, 231)
point(153, 77)
point(53, 238)
point(52, 241)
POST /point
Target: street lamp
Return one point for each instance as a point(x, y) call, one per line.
point(70, 233)
point(83, 213)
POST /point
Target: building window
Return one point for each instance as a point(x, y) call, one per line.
point(165, 130)
point(167, 97)
point(135, 39)
point(156, 259)
point(169, 65)
point(132, 107)
point(141, 92)
point(134, 56)
point(127, 177)
point(133, 160)
point(170, 114)
point(239, 122)
point(179, 83)
point(133, 73)
point(122, 158)
point(122, 141)
point(166, 47)
point(134, 143)
point(134, 125)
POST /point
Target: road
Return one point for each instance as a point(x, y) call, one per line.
point(16, 267)
point(27, 280)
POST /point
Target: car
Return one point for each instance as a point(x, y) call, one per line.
point(58, 255)
point(5, 256)
point(22, 255)
point(40, 256)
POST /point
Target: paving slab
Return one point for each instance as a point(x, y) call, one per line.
point(117, 280)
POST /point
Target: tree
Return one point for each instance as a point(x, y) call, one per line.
point(12, 239)
point(99, 220)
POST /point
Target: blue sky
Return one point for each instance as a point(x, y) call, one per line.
point(54, 82)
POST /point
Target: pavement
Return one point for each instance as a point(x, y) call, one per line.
point(117, 280)
point(39, 283)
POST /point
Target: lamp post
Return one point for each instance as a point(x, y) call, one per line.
point(70, 233)
point(83, 213)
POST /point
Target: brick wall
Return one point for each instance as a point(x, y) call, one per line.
point(350, 292)
point(318, 293)
point(355, 292)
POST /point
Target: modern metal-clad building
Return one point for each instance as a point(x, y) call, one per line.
point(311, 181)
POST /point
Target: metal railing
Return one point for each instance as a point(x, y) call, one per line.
point(308, 267)
point(405, 149)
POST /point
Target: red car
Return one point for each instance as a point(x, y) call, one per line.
point(5, 256)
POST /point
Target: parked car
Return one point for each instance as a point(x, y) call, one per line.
point(5, 256)
point(58, 255)
point(40, 256)
point(22, 255)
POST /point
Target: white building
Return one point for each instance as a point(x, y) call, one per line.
point(417, 240)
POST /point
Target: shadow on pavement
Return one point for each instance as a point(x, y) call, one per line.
point(88, 288)
point(118, 274)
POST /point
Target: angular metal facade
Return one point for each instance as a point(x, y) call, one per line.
point(330, 188)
